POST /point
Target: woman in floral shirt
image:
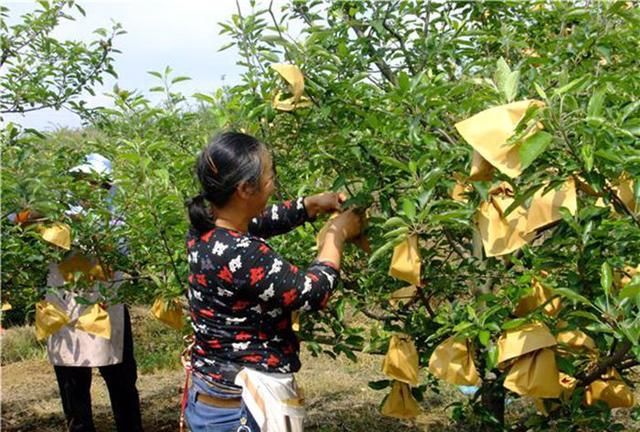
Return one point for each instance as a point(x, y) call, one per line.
point(242, 292)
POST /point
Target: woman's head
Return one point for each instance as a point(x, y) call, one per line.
point(233, 167)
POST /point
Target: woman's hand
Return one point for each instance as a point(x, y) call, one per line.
point(326, 202)
point(343, 227)
point(346, 226)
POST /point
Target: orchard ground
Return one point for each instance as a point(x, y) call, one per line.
point(338, 397)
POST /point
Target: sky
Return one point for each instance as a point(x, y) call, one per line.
point(181, 34)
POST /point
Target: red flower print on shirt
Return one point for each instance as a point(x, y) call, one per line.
point(243, 336)
point(283, 324)
point(287, 204)
point(191, 243)
point(289, 349)
point(257, 274)
point(240, 305)
point(263, 248)
point(215, 376)
point(294, 268)
point(225, 274)
point(252, 358)
point(206, 236)
point(214, 343)
point(199, 350)
point(206, 312)
point(289, 296)
point(263, 336)
point(202, 279)
point(273, 360)
point(190, 278)
point(313, 277)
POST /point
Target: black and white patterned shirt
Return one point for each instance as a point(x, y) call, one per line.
point(241, 295)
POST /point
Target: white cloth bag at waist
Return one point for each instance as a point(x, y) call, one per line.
point(72, 347)
point(274, 400)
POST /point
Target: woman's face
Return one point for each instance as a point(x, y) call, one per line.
point(267, 182)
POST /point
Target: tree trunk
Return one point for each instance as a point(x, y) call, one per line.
point(492, 400)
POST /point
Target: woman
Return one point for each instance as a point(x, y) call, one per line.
point(241, 292)
point(74, 352)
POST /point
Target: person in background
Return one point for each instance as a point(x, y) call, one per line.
point(73, 352)
point(241, 292)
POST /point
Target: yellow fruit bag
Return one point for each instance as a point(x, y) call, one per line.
point(523, 340)
point(58, 234)
point(169, 312)
point(545, 209)
point(540, 296)
point(95, 320)
point(49, 319)
point(405, 263)
point(294, 77)
point(536, 375)
point(402, 296)
point(488, 132)
point(401, 361)
point(611, 390)
point(501, 234)
point(452, 361)
point(400, 402)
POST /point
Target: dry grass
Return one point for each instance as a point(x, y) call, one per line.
point(337, 394)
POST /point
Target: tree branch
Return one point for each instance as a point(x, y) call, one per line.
point(586, 378)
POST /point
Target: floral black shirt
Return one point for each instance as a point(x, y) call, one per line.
point(241, 295)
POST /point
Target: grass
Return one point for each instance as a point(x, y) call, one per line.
point(20, 344)
point(338, 397)
point(157, 347)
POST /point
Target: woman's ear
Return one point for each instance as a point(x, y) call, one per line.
point(246, 190)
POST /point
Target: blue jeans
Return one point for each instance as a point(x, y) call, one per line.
point(201, 417)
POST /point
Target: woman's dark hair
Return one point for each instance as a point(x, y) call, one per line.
point(229, 159)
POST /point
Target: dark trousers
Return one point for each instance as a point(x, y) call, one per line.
point(75, 390)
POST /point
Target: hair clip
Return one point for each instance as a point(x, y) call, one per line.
point(212, 165)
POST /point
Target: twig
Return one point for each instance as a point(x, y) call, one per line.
point(586, 378)
point(399, 39)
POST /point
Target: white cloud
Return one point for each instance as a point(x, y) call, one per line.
point(181, 34)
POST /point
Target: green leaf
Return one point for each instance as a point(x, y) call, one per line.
point(606, 277)
point(492, 357)
point(595, 103)
point(395, 233)
point(506, 80)
point(573, 85)
point(394, 221)
point(630, 290)
point(533, 147)
point(380, 251)
point(572, 295)
point(179, 79)
point(409, 208)
point(379, 385)
point(514, 323)
point(540, 91)
point(403, 81)
point(484, 337)
point(586, 315)
point(521, 198)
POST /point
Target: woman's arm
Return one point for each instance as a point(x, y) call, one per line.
point(278, 283)
point(283, 217)
point(279, 218)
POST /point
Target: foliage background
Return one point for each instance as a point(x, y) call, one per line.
point(388, 80)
